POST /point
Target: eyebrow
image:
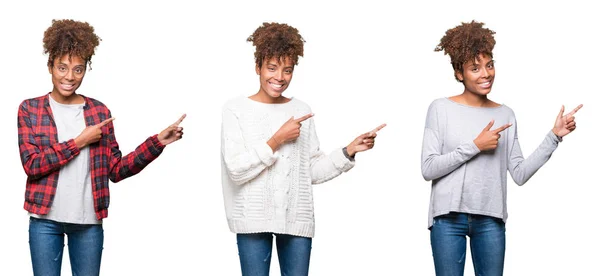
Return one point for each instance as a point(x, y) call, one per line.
point(65, 64)
point(277, 65)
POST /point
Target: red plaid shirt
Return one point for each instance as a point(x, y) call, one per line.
point(42, 155)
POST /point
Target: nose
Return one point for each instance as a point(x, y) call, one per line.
point(279, 75)
point(486, 72)
point(70, 75)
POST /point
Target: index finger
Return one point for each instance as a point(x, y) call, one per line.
point(303, 118)
point(575, 110)
point(374, 131)
point(500, 129)
point(180, 120)
point(105, 122)
point(379, 128)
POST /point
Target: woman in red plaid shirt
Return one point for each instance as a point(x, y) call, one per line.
point(69, 152)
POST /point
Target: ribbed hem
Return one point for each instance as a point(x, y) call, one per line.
point(265, 226)
point(340, 161)
point(503, 216)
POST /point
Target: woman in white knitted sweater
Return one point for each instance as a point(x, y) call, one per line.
point(270, 158)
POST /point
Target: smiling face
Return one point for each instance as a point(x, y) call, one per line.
point(67, 75)
point(478, 75)
point(275, 77)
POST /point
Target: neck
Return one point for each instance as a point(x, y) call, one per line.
point(472, 99)
point(263, 97)
point(71, 99)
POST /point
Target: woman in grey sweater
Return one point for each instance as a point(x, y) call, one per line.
point(469, 143)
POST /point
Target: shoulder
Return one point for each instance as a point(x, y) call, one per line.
point(438, 104)
point(93, 102)
point(300, 105)
point(507, 110)
point(237, 103)
point(96, 106)
point(34, 102)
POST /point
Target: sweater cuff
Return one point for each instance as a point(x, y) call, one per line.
point(471, 149)
point(340, 161)
point(554, 137)
point(265, 153)
point(345, 152)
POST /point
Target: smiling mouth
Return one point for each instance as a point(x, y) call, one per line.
point(486, 84)
point(67, 86)
point(276, 86)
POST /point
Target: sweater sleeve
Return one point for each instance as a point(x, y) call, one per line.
point(522, 169)
point(434, 164)
point(243, 161)
point(324, 167)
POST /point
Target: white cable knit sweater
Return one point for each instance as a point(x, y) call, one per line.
point(266, 191)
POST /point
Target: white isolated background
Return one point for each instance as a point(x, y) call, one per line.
point(366, 63)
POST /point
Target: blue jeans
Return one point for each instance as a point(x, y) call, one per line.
point(46, 242)
point(449, 244)
point(255, 254)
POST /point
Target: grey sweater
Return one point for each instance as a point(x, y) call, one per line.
point(464, 178)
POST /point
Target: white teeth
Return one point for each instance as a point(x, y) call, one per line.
point(277, 85)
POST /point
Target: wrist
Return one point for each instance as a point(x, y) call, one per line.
point(350, 151)
point(477, 145)
point(273, 143)
point(161, 141)
point(555, 131)
point(277, 140)
point(79, 143)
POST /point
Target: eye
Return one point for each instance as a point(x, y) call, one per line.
point(289, 71)
point(62, 68)
point(475, 69)
point(491, 65)
point(78, 70)
point(271, 69)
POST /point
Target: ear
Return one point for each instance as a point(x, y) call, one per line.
point(257, 69)
point(50, 69)
point(459, 75)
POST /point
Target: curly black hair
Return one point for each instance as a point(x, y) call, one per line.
point(70, 37)
point(276, 40)
point(465, 43)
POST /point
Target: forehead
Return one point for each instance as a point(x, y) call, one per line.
point(481, 59)
point(283, 61)
point(67, 59)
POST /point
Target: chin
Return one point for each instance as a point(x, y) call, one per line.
point(66, 94)
point(276, 94)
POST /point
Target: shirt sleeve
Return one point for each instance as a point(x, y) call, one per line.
point(434, 164)
point(37, 158)
point(522, 169)
point(122, 167)
point(243, 161)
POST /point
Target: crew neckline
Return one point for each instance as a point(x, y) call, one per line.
point(66, 105)
point(251, 100)
point(475, 107)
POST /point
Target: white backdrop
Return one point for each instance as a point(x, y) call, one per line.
point(364, 65)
